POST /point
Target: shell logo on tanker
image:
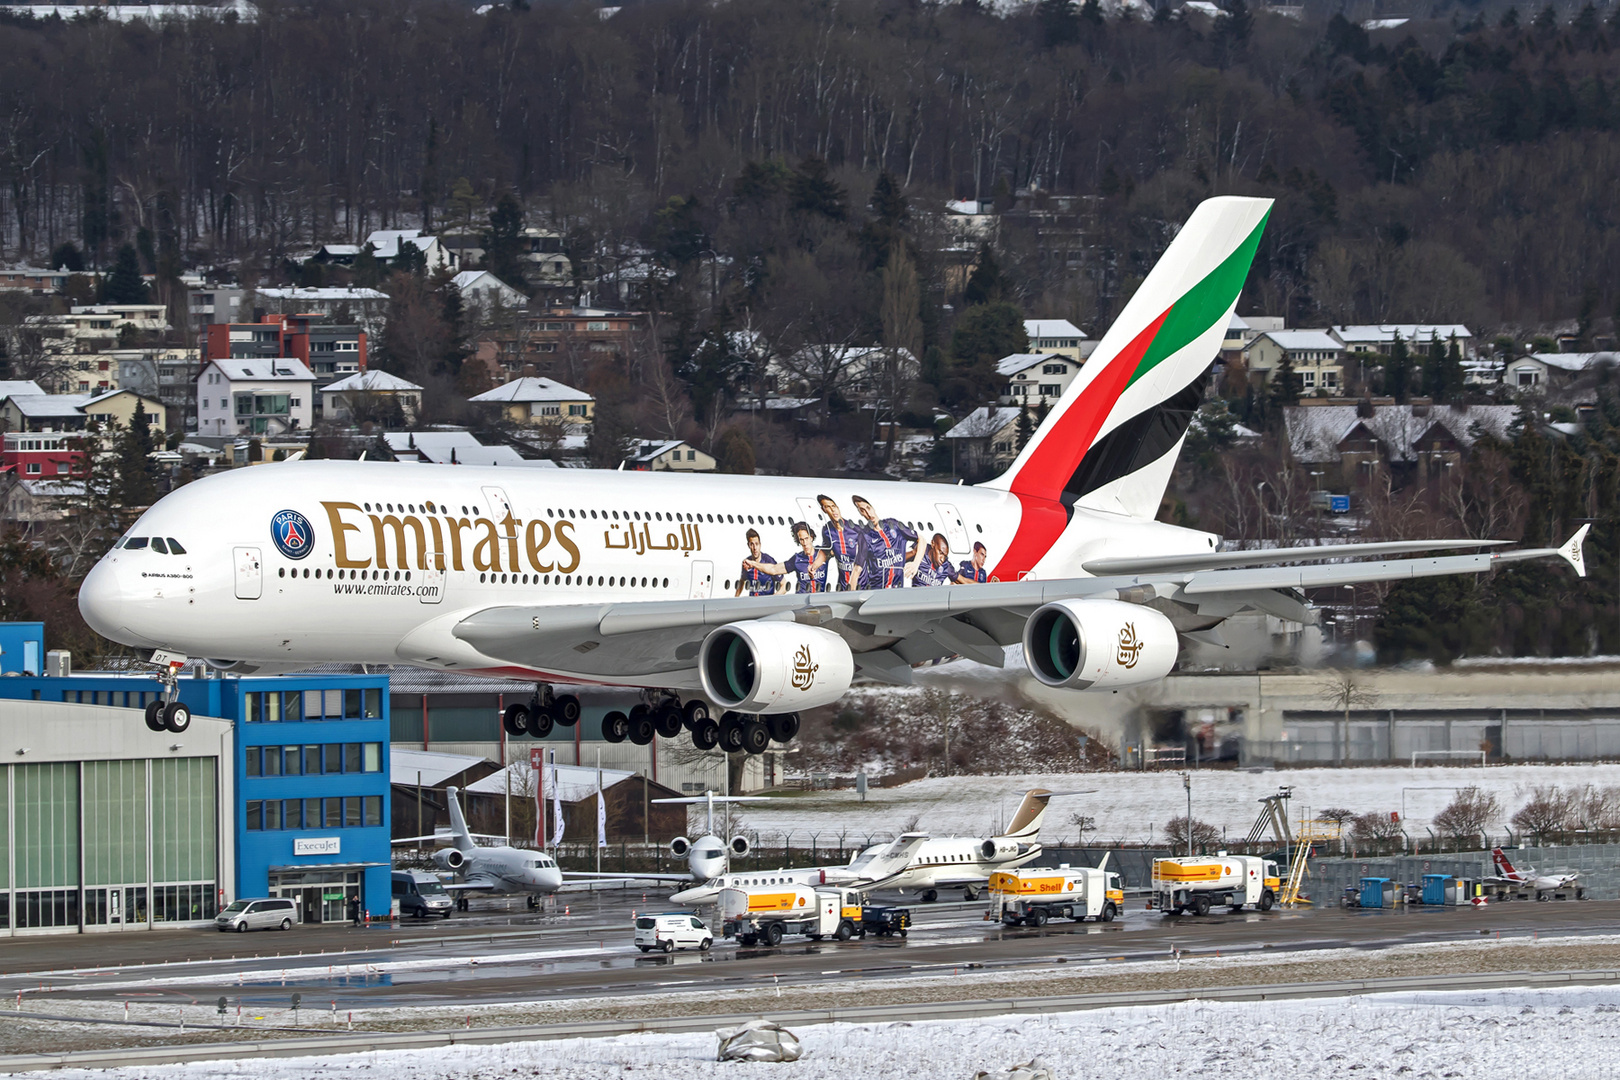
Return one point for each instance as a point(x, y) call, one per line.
point(509, 544)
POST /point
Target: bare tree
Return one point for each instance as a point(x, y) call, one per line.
point(1343, 689)
point(1549, 809)
point(1204, 835)
point(1468, 813)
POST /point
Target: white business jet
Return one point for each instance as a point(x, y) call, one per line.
point(622, 578)
point(500, 869)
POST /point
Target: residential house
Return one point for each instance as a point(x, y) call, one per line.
point(533, 400)
point(1553, 371)
point(8, 387)
point(483, 292)
point(366, 308)
point(207, 304)
point(254, 396)
point(554, 341)
point(855, 371)
point(371, 395)
point(32, 279)
point(986, 438)
point(386, 245)
point(1417, 437)
point(541, 251)
point(1317, 357)
point(1034, 379)
point(671, 455)
point(330, 351)
point(1243, 329)
point(1381, 338)
point(1058, 337)
point(167, 374)
point(37, 455)
point(118, 407)
point(455, 447)
point(72, 412)
point(31, 502)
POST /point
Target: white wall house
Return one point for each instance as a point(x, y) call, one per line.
point(369, 395)
point(1032, 379)
point(254, 396)
point(1059, 336)
point(482, 291)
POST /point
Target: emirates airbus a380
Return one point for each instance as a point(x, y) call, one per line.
point(626, 579)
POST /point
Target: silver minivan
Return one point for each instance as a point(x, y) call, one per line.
point(265, 914)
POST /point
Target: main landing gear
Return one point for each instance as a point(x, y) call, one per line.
point(660, 714)
point(543, 711)
point(168, 713)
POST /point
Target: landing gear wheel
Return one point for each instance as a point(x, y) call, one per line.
point(668, 720)
point(845, 931)
point(783, 726)
point(693, 713)
point(516, 719)
point(755, 737)
point(773, 934)
point(533, 903)
point(154, 715)
point(731, 729)
point(540, 721)
point(565, 710)
point(1200, 906)
point(1266, 900)
point(641, 729)
point(1108, 912)
point(176, 717)
point(705, 734)
point(930, 895)
point(615, 726)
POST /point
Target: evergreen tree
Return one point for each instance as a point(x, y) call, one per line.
point(812, 190)
point(1434, 375)
point(125, 285)
point(136, 477)
point(983, 335)
point(1024, 429)
point(503, 240)
point(1284, 387)
point(1060, 22)
point(678, 236)
point(984, 285)
point(410, 260)
point(367, 271)
point(1398, 371)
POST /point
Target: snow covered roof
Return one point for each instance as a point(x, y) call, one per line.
point(15, 387)
point(385, 242)
point(435, 768)
point(1423, 333)
point(1315, 431)
point(341, 249)
point(466, 279)
point(533, 388)
point(1237, 322)
point(1570, 361)
point(264, 369)
point(327, 294)
point(982, 423)
point(373, 380)
point(39, 405)
point(647, 451)
point(53, 489)
point(965, 206)
point(1298, 340)
point(1012, 365)
point(1050, 328)
point(452, 447)
point(573, 782)
point(93, 398)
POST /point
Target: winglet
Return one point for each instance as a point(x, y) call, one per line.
point(1571, 551)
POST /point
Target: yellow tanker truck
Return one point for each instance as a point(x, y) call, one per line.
point(1199, 882)
point(1030, 897)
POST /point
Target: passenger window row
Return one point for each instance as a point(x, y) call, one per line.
point(348, 812)
point(604, 580)
point(313, 759)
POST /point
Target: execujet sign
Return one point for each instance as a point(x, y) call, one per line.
point(317, 845)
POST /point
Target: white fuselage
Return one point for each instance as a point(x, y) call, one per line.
point(386, 558)
point(945, 860)
point(512, 870)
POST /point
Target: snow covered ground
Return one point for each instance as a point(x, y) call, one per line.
point(1134, 806)
point(1483, 1035)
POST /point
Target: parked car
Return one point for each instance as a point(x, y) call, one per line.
point(421, 894)
point(261, 914)
point(671, 931)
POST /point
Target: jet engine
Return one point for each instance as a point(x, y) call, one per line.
point(1000, 849)
point(1098, 644)
point(679, 847)
point(774, 667)
point(739, 846)
point(450, 858)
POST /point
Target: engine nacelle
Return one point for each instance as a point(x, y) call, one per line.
point(739, 846)
point(680, 847)
point(1098, 644)
point(450, 858)
point(774, 667)
point(1000, 850)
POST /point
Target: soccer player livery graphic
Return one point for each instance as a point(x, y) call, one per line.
point(890, 546)
point(753, 580)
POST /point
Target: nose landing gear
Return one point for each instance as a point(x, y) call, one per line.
point(167, 713)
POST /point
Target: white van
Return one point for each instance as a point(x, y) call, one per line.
point(421, 894)
point(675, 930)
point(265, 914)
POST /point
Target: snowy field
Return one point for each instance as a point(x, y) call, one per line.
point(1571, 1033)
point(1134, 806)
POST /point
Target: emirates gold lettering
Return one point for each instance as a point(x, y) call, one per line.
point(400, 541)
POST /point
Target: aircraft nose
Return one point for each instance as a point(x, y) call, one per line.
point(103, 601)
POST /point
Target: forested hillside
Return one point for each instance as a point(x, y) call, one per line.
point(1457, 171)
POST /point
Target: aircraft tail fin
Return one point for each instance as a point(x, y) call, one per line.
point(1112, 440)
point(1501, 861)
point(1571, 551)
point(1026, 823)
point(458, 824)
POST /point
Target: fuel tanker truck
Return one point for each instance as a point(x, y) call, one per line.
point(1030, 897)
point(1198, 883)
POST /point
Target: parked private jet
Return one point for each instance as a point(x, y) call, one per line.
point(500, 869)
point(625, 578)
point(1528, 878)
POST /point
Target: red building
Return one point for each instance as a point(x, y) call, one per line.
point(35, 455)
point(330, 351)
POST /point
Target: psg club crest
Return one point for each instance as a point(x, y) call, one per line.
point(292, 534)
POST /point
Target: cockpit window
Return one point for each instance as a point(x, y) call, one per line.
point(175, 548)
point(159, 546)
point(134, 542)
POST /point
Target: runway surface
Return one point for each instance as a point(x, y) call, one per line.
point(501, 953)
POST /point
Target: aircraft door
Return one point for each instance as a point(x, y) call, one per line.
point(950, 520)
point(702, 579)
point(249, 573)
point(432, 587)
point(813, 516)
point(499, 505)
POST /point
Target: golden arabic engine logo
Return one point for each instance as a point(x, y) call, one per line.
point(804, 672)
point(1130, 646)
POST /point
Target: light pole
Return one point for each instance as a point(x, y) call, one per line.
point(1354, 617)
point(1186, 782)
point(1260, 498)
point(1288, 863)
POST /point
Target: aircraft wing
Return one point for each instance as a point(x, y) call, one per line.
point(682, 879)
point(476, 883)
point(891, 631)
